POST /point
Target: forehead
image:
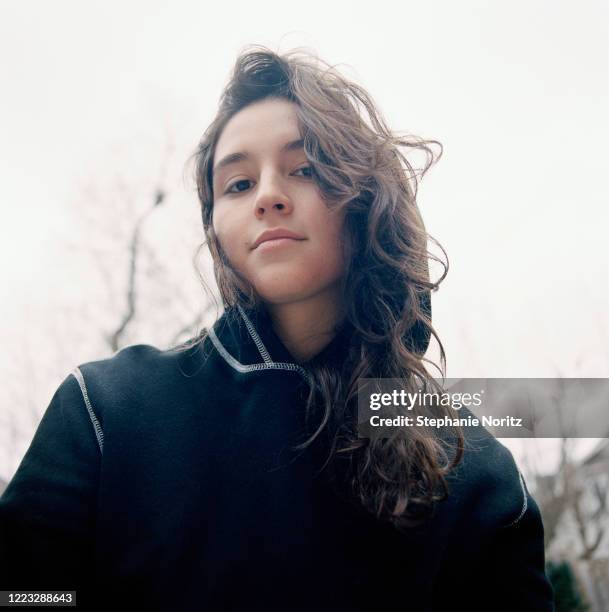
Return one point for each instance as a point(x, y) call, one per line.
point(262, 124)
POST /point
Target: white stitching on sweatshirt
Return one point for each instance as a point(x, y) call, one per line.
point(240, 367)
point(99, 434)
point(255, 337)
point(524, 504)
point(268, 364)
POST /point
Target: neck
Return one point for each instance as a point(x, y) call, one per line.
point(306, 327)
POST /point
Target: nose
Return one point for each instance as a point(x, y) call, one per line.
point(271, 196)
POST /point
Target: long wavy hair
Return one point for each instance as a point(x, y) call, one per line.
point(357, 163)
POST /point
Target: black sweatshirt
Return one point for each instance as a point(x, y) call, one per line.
point(163, 480)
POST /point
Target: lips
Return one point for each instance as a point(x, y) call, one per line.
point(278, 232)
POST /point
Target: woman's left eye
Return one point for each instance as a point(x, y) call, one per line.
point(306, 168)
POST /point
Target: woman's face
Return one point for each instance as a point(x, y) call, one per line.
point(260, 183)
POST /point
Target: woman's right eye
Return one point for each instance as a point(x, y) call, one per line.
point(229, 190)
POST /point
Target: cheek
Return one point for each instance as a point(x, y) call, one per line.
point(327, 259)
point(333, 238)
point(225, 231)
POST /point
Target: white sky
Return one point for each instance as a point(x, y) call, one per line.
point(517, 93)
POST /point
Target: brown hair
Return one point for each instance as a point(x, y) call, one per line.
point(357, 163)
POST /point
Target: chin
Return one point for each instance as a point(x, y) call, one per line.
point(286, 286)
point(283, 296)
point(281, 287)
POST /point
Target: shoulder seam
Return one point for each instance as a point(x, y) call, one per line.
point(99, 434)
point(524, 503)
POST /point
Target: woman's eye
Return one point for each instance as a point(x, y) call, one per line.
point(308, 168)
point(240, 181)
point(308, 173)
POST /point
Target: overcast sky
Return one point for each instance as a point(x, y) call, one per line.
point(517, 92)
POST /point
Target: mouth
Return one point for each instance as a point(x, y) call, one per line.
point(274, 234)
point(273, 244)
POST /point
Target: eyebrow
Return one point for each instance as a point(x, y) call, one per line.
point(233, 158)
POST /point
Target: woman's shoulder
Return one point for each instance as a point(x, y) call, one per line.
point(144, 362)
point(131, 364)
point(135, 375)
point(487, 484)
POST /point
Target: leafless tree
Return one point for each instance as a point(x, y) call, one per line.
point(119, 278)
point(115, 217)
point(571, 490)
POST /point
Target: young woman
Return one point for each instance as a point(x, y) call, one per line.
point(229, 473)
